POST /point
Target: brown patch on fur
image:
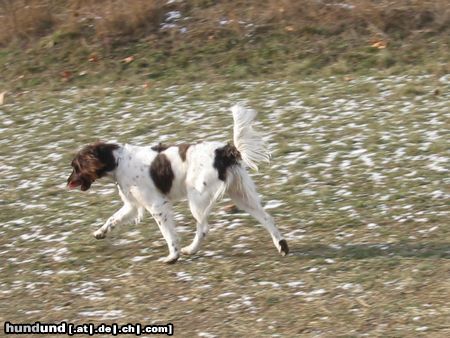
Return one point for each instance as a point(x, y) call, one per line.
point(284, 249)
point(161, 173)
point(226, 157)
point(182, 150)
point(160, 147)
point(231, 209)
point(90, 163)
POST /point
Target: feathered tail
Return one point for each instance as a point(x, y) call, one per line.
point(248, 141)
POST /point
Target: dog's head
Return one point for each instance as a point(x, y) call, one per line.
point(90, 163)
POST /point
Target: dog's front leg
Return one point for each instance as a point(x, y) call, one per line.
point(123, 215)
point(163, 214)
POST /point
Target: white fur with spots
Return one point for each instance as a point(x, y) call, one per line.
point(196, 179)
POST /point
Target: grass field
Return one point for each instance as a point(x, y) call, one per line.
point(54, 44)
point(359, 185)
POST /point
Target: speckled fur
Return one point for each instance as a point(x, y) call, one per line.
point(152, 178)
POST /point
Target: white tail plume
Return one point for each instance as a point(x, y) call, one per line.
point(247, 140)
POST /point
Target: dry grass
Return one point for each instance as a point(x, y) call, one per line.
point(121, 18)
point(383, 17)
point(27, 19)
point(215, 39)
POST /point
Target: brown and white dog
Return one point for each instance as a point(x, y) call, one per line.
point(151, 178)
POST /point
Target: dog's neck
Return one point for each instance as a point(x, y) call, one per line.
point(118, 156)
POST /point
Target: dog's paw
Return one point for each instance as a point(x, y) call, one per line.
point(171, 259)
point(284, 249)
point(99, 234)
point(188, 250)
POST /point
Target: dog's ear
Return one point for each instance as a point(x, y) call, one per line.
point(104, 154)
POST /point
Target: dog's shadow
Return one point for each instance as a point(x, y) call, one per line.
point(366, 251)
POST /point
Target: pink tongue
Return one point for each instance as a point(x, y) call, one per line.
point(72, 185)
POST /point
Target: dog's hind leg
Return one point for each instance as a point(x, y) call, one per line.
point(200, 204)
point(243, 192)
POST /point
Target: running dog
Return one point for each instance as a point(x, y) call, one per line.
point(153, 177)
